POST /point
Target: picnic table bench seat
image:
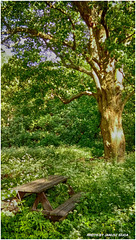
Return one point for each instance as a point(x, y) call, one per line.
point(62, 211)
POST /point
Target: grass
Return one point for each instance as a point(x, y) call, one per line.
point(106, 210)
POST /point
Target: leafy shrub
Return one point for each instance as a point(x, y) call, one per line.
point(129, 124)
point(77, 123)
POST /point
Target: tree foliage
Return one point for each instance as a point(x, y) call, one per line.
point(37, 118)
point(88, 43)
point(58, 27)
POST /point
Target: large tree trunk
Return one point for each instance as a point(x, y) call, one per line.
point(112, 133)
point(110, 107)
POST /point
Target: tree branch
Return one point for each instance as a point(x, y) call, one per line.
point(96, 61)
point(34, 33)
point(6, 24)
point(92, 73)
point(70, 19)
point(66, 101)
point(103, 22)
point(85, 11)
point(73, 66)
point(127, 98)
point(93, 65)
point(127, 37)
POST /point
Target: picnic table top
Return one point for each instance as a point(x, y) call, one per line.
point(41, 185)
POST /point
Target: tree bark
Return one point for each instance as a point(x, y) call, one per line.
point(110, 107)
point(113, 135)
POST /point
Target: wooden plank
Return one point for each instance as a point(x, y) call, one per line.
point(64, 208)
point(67, 209)
point(73, 199)
point(31, 185)
point(42, 184)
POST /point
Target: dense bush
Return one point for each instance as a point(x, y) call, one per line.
point(77, 123)
point(129, 124)
point(57, 124)
point(107, 206)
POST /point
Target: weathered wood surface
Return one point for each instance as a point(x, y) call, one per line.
point(41, 185)
point(62, 211)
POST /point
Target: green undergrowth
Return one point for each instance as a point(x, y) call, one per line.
point(106, 210)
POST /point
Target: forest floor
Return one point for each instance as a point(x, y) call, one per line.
point(106, 210)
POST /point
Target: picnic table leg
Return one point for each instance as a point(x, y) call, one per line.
point(46, 204)
point(41, 197)
point(20, 195)
point(36, 202)
point(71, 191)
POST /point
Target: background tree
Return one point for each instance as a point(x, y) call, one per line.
point(95, 39)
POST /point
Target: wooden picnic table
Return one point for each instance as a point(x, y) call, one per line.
point(39, 187)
